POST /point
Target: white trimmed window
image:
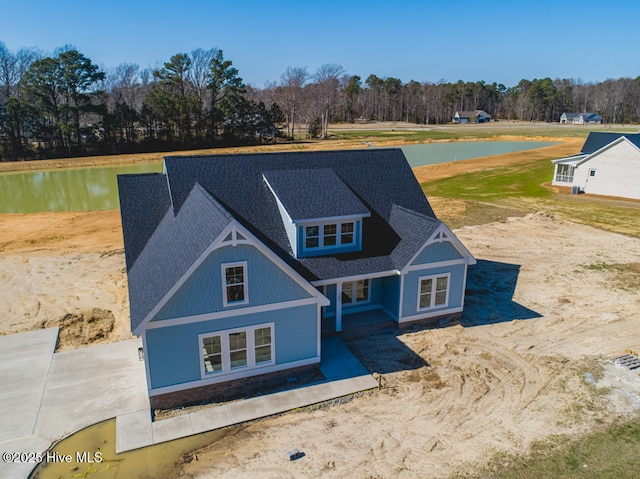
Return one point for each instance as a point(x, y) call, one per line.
point(329, 235)
point(355, 292)
point(231, 350)
point(433, 291)
point(592, 173)
point(234, 284)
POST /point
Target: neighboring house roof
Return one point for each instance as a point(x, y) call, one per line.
point(587, 116)
point(472, 114)
point(595, 142)
point(198, 197)
point(598, 140)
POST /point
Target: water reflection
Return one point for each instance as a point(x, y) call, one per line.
point(77, 189)
point(88, 189)
point(432, 153)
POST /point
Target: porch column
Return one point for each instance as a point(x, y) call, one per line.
point(338, 306)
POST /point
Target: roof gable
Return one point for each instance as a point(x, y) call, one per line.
point(177, 241)
point(613, 144)
point(598, 140)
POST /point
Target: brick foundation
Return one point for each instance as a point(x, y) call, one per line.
point(236, 389)
point(438, 321)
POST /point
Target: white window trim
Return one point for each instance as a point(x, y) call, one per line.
point(593, 172)
point(434, 277)
point(226, 352)
point(338, 235)
point(354, 289)
point(223, 268)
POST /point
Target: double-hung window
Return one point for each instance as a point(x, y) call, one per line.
point(238, 349)
point(346, 233)
point(330, 235)
point(312, 237)
point(212, 354)
point(355, 292)
point(433, 291)
point(232, 350)
point(234, 284)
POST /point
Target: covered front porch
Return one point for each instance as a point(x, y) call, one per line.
point(361, 302)
point(364, 320)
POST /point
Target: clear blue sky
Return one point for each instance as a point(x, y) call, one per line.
point(424, 40)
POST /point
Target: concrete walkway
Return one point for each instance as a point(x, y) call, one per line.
point(343, 372)
point(45, 397)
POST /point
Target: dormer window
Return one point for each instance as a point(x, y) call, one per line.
point(320, 212)
point(329, 235)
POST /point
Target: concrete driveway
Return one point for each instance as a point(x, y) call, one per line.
point(45, 396)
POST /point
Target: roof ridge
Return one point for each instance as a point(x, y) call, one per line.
point(415, 213)
point(212, 199)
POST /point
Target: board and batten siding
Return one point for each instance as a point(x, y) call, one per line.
point(617, 172)
point(202, 292)
point(411, 284)
point(173, 352)
point(442, 251)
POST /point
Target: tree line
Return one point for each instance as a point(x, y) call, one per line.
point(64, 105)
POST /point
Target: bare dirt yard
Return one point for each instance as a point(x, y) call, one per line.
point(549, 303)
point(546, 310)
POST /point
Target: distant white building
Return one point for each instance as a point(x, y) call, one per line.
point(609, 165)
point(581, 118)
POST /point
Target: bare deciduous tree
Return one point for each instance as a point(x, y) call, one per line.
point(292, 82)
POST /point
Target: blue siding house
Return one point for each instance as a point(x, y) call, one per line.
point(237, 263)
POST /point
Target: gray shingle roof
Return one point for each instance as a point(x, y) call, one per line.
point(597, 140)
point(314, 193)
point(176, 243)
point(144, 200)
point(205, 193)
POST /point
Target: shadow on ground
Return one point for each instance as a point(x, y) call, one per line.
point(382, 352)
point(489, 295)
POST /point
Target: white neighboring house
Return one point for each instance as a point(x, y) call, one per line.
point(581, 118)
point(608, 165)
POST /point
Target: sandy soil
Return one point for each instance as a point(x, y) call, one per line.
point(540, 321)
point(546, 305)
point(67, 270)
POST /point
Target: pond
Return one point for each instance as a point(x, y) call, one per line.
point(66, 189)
point(432, 153)
point(96, 188)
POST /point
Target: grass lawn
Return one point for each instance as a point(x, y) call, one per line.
point(607, 454)
point(515, 190)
